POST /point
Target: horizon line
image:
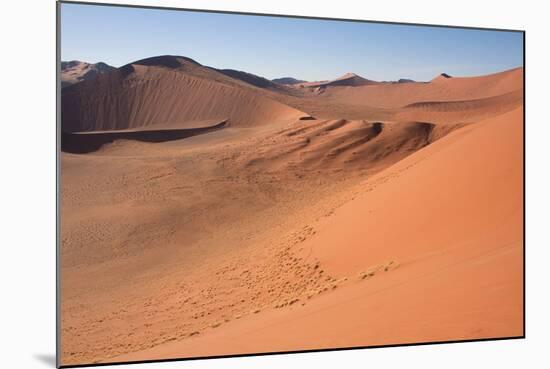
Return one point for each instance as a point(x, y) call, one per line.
point(291, 75)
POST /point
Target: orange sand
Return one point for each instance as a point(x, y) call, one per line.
point(394, 215)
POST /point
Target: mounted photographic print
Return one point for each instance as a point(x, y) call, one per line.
point(241, 184)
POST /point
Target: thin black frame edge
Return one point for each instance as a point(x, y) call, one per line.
point(57, 184)
point(310, 351)
point(524, 183)
point(58, 177)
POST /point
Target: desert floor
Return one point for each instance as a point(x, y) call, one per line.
point(262, 219)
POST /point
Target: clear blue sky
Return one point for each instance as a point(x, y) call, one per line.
point(278, 47)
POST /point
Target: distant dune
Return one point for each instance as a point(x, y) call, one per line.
point(443, 89)
point(212, 212)
point(441, 77)
point(348, 79)
point(287, 81)
point(76, 71)
point(405, 80)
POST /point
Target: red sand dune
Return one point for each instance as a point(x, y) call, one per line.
point(392, 215)
point(402, 275)
point(165, 90)
point(348, 79)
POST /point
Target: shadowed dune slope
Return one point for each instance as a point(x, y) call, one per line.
point(85, 142)
point(249, 78)
point(348, 145)
point(165, 90)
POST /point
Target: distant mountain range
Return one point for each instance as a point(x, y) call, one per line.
point(75, 71)
point(350, 79)
point(249, 78)
point(186, 94)
point(287, 81)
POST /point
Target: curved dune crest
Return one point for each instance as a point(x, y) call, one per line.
point(465, 111)
point(85, 142)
